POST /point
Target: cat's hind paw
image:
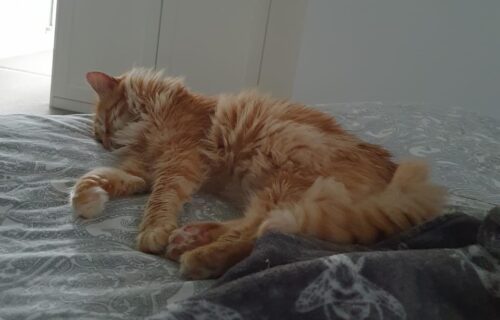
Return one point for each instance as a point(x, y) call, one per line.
point(192, 236)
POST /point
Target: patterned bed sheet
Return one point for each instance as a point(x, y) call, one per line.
point(55, 266)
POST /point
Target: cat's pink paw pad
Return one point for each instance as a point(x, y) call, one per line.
point(189, 237)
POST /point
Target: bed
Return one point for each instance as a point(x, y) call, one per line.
point(55, 266)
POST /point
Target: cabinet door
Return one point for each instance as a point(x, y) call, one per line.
point(217, 44)
point(107, 35)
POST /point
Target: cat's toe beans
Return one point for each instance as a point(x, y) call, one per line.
point(176, 245)
point(173, 252)
point(180, 241)
point(89, 202)
point(188, 238)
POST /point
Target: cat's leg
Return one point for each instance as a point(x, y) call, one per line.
point(94, 189)
point(197, 234)
point(237, 240)
point(177, 177)
point(213, 259)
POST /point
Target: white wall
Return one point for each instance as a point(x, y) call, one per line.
point(444, 52)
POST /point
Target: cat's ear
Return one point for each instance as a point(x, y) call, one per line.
point(101, 82)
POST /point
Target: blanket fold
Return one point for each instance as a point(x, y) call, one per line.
point(447, 268)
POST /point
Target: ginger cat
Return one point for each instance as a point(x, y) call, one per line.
point(292, 169)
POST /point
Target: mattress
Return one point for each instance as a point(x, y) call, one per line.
point(53, 265)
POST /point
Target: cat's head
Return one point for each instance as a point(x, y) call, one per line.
point(126, 99)
point(111, 110)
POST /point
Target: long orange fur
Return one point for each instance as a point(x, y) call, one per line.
point(291, 168)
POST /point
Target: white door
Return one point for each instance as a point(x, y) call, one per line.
point(106, 35)
point(217, 45)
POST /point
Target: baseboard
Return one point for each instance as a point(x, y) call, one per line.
point(71, 105)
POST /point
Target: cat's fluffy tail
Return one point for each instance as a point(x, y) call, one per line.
point(327, 211)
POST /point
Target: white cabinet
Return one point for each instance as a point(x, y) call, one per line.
point(217, 45)
point(107, 35)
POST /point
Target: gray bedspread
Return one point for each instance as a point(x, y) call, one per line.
point(54, 266)
point(445, 269)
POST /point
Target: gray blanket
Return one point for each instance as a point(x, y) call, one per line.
point(53, 266)
point(448, 268)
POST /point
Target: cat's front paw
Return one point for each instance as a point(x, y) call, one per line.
point(88, 202)
point(154, 239)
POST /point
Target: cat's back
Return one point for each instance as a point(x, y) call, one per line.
point(250, 108)
point(254, 136)
point(255, 127)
